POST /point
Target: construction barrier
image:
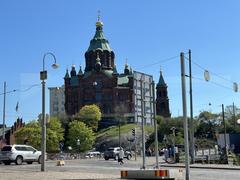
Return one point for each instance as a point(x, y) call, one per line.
point(174, 174)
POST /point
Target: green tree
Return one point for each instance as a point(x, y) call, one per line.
point(90, 115)
point(78, 130)
point(54, 134)
point(208, 123)
point(32, 133)
point(164, 130)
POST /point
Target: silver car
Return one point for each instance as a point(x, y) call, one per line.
point(19, 154)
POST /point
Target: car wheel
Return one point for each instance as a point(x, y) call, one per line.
point(7, 162)
point(29, 162)
point(129, 156)
point(106, 158)
point(19, 160)
point(39, 159)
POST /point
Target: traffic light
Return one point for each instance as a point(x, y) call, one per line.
point(133, 132)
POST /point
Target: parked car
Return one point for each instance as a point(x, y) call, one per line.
point(93, 154)
point(19, 154)
point(113, 152)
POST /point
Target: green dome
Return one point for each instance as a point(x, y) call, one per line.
point(99, 41)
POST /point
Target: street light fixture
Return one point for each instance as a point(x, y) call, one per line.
point(43, 77)
point(78, 145)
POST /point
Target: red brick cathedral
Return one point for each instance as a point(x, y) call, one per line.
point(101, 84)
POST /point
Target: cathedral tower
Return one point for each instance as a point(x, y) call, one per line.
point(162, 101)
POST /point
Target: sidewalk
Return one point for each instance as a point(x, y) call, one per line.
point(203, 166)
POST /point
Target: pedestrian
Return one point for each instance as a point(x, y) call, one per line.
point(166, 154)
point(120, 156)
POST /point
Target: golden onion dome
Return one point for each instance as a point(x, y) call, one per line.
point(99, 24)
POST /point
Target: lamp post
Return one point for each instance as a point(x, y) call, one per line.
point(78, 145)
point(43, 77)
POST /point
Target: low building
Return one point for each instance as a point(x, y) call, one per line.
point(10, 132)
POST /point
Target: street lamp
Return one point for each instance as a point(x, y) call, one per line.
point(43, 77)
point(78, 145)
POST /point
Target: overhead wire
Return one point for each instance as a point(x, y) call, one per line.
point(212, 82)
point(158, 62)
point(21, 90)
point(201, 67)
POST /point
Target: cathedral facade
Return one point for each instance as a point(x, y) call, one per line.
point(100, 83)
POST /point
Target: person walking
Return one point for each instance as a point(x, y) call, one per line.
point(120, 156)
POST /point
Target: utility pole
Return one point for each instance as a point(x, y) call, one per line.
point(184, 105)
point(174, 154)
point(143, 121)
point(119, 133)
point(4, 104)
point(192, 147)
point(225, 139)
point(234, 117)
point(155, 124)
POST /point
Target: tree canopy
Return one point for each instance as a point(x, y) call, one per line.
point(31, 133)
point(90, 115)
point(79, 131)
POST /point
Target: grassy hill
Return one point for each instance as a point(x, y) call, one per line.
point(109, 136)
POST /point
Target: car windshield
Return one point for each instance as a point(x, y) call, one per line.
point(7, 148)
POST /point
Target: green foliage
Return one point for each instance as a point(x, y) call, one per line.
point(90, 115)
point(164, 130)
point(165, 125)
point(113, 131)
point(78, 130)
point(32, 133)
point(54, 134)
point(207, 125)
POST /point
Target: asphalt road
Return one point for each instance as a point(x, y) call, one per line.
point(99, 169)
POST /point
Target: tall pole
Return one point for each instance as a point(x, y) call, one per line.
point(135, 144)
point(192, 147)
point(43, 77)
point(225, 139)
point(43, 142)
point(155, 124)
point(234, 117)
point(184, 106)
point(174, 154)
point(119, 133)
point(4, 105)
point(143, 119)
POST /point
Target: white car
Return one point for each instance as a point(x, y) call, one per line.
point(93, 154)
point(19, 154)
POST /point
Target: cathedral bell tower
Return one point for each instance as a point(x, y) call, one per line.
point(162, 101)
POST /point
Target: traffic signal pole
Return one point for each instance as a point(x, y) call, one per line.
point(135, 143)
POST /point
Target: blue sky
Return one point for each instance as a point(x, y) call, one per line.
point(145, 32)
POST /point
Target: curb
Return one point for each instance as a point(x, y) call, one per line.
point(202, 167)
